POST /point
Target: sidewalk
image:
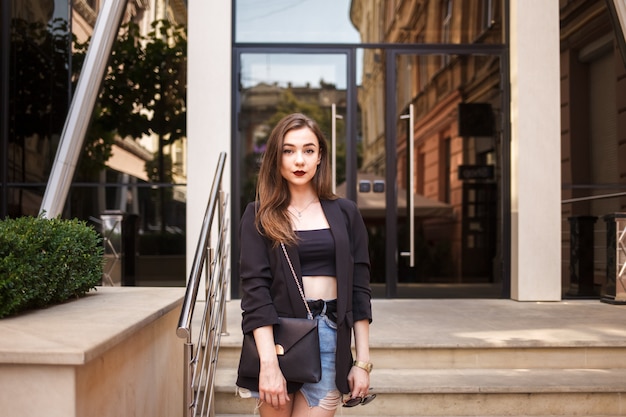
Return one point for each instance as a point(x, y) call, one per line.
point(483, 323)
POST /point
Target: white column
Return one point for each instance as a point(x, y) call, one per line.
point(535, 151)
point(208, 107)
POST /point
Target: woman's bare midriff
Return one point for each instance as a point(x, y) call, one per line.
point(320, 287)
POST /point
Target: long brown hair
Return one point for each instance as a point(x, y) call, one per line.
point(273, 196)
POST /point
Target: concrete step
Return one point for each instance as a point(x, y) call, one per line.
point(487, 358)
point(476, 392)
point(419, 357)
point(496, 336)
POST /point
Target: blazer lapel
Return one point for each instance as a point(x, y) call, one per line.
point(339, 230)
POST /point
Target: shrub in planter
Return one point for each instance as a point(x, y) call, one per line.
point(46, 261)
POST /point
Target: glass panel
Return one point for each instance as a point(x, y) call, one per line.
point(143, 179)
point(592, 168)
point(38, 94)
point(279, 21)
point(456, 224)
point(371, 161)
point(369, 21)
point(273, 85)
point(453, 177)
point(153, 223)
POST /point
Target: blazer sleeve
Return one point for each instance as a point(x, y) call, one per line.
point(359, 242)
point(255, 274)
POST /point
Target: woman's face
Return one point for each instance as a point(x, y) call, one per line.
point(300, 156)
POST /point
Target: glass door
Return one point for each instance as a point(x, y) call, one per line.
point(416, 141)
point(417, 113)
point(274, 82)
point(429, 183)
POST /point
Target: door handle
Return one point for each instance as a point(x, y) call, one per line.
point(333, 142)
point(410, 189)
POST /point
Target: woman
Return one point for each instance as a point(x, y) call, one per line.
point(326, 241)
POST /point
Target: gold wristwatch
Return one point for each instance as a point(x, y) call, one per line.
point(363, 365)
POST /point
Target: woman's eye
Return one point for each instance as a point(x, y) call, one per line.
point(287, 151)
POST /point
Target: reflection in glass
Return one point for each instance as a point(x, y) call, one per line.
point(456, 124)
point(456, 218)
point(45, 58)
point(285, 70)
point(334, 21)
point(274, 85)
point(38, 95)
point(150, 252)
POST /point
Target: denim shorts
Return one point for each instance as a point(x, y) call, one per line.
point(323, 393)
point(315, 393)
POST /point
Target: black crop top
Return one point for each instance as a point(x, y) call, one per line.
point(316, 249)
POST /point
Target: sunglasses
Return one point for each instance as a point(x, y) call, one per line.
point(354, 401)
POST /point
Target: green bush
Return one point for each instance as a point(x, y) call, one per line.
point(46, 261)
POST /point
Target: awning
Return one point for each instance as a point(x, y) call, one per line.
point(123, 161)
point(372, 204)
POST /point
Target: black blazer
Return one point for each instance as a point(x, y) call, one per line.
point(269, 290)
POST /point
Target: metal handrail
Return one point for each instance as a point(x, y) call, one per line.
point(593, 197)
point(211, 258)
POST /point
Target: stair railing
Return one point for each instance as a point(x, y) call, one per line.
point(211, 258)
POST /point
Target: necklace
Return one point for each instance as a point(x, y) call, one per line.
point(305, 207)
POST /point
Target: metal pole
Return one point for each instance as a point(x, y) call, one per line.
point(5, 48)
point(334, 116)
point(410, 192)
point(79, 115)
point(333, 144)
point(391, 199)
point(188, 407)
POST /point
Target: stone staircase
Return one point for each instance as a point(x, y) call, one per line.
point(479, 358)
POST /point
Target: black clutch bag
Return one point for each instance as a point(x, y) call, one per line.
point(297, 346)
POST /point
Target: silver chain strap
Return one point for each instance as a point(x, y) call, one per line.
point(295, 277)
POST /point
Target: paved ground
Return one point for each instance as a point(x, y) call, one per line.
point(484, 322)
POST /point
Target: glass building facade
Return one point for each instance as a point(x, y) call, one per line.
point(414, 95)
point(411, 95)
point(127, 167)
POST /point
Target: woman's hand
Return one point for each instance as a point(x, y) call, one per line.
point(359, 378)
point(272, 385)
point(359, 382)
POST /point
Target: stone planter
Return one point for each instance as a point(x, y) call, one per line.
point(112, 353)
